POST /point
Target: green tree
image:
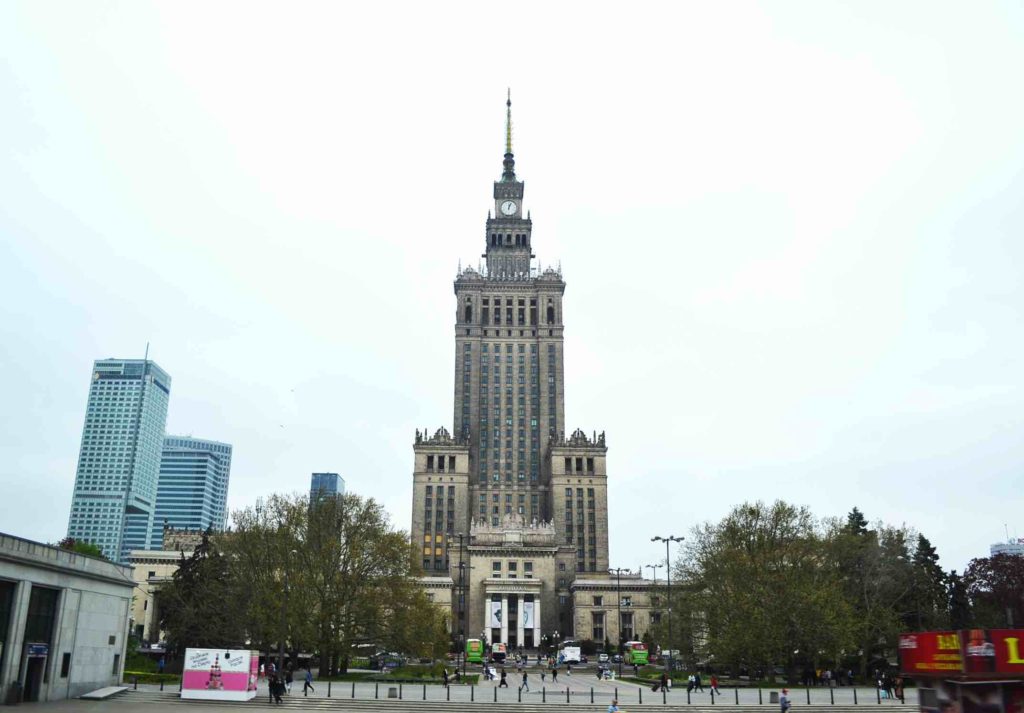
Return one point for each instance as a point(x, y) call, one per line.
point(764, 588)
point(81, 547)
point(959, 602)
point(995, 586)
point(199, 605)
point(928, 596)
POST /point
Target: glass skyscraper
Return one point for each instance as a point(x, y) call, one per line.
point(192, 490)
point(119, 459)
point(326, 484)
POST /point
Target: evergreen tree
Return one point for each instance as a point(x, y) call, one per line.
point(929, 597)
point(856, 523)
point(959, 602)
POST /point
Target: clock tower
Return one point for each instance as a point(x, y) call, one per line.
point(508, 246)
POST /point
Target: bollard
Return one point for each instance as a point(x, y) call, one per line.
point(808, 695)
point(737, 692)
point(878, 694)
point(712, 696)
point(181, 681)
point(640, 692)
point(520, 694)
point(471, 694)
point(664, 697)
point(687, 695)
point(854, 695)
point(447, 693)
point(399, 691)
point(495, 694)
point(161, 684)
point(760, 698)
point(136, 678)
point(353, 689)
point(328, 689)
point(591, 694)
point(832, 696)
point(376, 690)
point(543, 695)
point(424, 691)
point(616, 693)
point(566, 694)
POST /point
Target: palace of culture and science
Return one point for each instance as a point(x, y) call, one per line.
point(511, 514)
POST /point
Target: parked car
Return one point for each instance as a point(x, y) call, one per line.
point(617, 658)
point(602, 658)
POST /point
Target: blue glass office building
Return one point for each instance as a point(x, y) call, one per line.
point(192, 491)
point(326, 484)
point(119, 459)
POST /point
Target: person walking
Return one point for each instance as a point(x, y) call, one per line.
point(714, 685)
point(784, 702)
point(444, 676)
point(543, 675)
point(697, 682)
point(288, 678)
point(276, 689)
point(662, 683)
point(554, 674)
point(160, 665)
point(526, 684)
point(308, 683)
point(504, 682)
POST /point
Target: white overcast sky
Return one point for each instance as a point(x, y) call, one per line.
point(791, 232)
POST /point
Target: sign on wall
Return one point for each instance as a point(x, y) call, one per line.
point(496, 615)
point(528, 615)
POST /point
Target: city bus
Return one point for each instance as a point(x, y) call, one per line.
point(498, 652)
point(636, 653)
point(474, 651)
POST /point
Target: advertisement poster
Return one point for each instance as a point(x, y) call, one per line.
point(1008, 650)
point(220, 674)
point(930, 652)
point(528, 615)
point(495, 615)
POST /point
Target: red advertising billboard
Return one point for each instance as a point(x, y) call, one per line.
point(977, 653)
point(930, 652)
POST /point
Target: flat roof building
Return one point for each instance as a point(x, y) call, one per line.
point(192, 490)
point(63, 621)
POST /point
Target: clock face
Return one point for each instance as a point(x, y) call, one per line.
point(508, 207)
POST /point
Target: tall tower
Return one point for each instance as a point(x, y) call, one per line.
point(192, 491)
point(119, 460)
point(529, 503)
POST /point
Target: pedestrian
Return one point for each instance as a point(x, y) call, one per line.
point(614, 707)
point(526, 684)
point(308, 683)
point(444, 676)
point(714, 685)
point(663, 682)
point(554, 674)
point(543, 676)
point(636, 670)
point(689, 683)
point(503, 683)
point(160, 665)
point(697, 682)
point(276, 689)
point(288, 680)
point(784, 702)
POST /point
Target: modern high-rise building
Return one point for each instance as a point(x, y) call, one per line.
point(323, 485)
point(507, 508)
point(119, 460)
point(1010, 547)
point(192, 491)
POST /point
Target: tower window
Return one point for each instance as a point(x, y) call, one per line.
point(551, 313)
point(468, 313)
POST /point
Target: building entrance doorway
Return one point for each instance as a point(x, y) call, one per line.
point(34, 668)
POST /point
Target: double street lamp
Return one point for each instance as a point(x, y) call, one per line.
point(618, 604)
point(668, 578)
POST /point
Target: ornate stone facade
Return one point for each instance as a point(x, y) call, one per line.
point(506, 494)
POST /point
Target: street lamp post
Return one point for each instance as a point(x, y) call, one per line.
point(618, 605)
point(668, 580)
point(463, 606)
point(654, 571)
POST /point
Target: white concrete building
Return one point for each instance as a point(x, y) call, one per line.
point(63, 621)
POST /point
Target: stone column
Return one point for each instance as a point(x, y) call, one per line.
point(487, 617)
point(504, 618)
point(520, 624)
point(536, 620)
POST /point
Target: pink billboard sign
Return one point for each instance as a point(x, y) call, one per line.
point(220, 674)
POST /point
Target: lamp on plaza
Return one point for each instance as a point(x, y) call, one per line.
point(618, 605)
point(654, 571)
point(668, 580)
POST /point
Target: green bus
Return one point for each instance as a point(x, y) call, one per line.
point(474, 651)
point(636, 653)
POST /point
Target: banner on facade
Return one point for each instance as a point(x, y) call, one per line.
point(495, 615)
point(528, 615)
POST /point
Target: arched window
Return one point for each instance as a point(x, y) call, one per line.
point(469, 312)
point(551, 313)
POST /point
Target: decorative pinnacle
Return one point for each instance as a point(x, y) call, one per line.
point(508, 122)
